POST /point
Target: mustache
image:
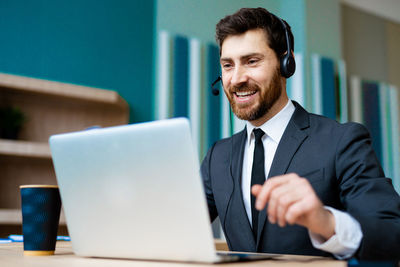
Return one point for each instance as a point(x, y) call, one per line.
point(244, 88)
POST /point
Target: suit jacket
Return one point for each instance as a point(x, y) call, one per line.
point(342, 168)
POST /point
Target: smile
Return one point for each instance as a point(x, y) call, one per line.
point(245, 94)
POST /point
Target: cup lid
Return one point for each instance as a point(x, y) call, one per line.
point(38, 186)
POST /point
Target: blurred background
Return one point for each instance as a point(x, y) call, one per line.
point(157, 59)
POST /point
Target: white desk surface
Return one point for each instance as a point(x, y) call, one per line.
point(11, 255)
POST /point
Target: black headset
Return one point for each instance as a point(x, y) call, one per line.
point(287, 62)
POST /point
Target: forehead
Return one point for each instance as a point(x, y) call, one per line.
point(250, 42)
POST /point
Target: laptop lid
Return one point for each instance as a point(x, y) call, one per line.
point(134, 191)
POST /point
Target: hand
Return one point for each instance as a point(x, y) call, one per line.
point(292, 200)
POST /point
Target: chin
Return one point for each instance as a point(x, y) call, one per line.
point(248, 114)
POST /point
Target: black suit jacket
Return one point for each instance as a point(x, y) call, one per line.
point(341, 166)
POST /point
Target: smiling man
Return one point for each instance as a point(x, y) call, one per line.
point(291, 182)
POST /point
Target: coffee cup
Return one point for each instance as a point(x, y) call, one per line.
point(41, 205)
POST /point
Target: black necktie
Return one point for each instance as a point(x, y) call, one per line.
point(257, 174)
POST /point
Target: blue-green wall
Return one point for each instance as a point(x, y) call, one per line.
point(197, 18)
point(100, 43)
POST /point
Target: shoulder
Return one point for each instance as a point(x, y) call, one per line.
point(321, 124)
point(325, 132)
point(329, 126)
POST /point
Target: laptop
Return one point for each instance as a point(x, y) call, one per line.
point(135, 192)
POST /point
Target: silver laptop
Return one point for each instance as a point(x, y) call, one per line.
point(135, 192)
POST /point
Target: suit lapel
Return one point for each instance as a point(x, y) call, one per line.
point(236, 206)
point(290, 142)
point(239, 142)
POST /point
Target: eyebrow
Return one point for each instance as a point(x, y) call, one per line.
point(244, 57)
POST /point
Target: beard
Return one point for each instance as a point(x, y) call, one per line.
point(267, 98)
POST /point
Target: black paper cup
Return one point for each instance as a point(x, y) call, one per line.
point(41, 205)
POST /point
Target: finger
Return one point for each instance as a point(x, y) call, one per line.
point(285, 195)
point(287, 198)
point(273, 203)
point(262, 196)
point(281, 198)
point(256, 189)
point(270, 184)
point(297, 213)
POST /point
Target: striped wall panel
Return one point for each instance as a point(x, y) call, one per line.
point(385, 126)
point(162, 89)
point(180, 93)
point(324, 95)
point(376, 106)
point(316, 84)
point(395, 135)
point(295, 84)
point(342, 83)
point(329, 100)
point(356, 105)
point(186, 68)
point(372, 115)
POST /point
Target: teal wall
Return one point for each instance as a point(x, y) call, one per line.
point(294, 11)
point(323, 24)
point(100, 43)
point(197, 18)
point(324, 27)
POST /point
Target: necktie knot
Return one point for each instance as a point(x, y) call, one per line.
point(258, 134)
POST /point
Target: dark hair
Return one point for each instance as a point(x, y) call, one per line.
point(255, 18)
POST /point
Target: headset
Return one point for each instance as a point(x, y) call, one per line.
point(287, 62)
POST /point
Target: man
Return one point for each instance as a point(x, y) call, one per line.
point(325, 192)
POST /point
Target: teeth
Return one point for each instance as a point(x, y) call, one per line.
point(245, 93)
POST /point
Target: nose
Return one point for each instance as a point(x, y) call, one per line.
point(239, 76)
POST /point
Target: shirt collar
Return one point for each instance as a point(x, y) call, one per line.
point(275, 126)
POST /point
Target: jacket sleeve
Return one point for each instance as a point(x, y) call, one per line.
point(206, 176)
point(368, 195)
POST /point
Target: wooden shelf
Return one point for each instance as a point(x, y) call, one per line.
point(14, 217)
point(50, 108)
point(39, 86)
point(24, 149)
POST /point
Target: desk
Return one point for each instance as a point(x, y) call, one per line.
point(11, 255)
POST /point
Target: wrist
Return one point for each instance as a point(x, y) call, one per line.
point(327, 224)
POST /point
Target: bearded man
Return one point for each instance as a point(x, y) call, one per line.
point(291, 182)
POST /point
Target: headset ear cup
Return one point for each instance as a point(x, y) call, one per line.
point(288, 65)
point(291, 65)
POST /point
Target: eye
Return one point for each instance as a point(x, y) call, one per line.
point(252, 61)
point(226, 66)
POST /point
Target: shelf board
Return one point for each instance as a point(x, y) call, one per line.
point(14, 217)
point(24, 149)
point(39, 86)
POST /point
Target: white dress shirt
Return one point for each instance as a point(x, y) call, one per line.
point(348, 233)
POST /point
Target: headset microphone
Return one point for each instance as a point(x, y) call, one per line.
point(215, 91)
